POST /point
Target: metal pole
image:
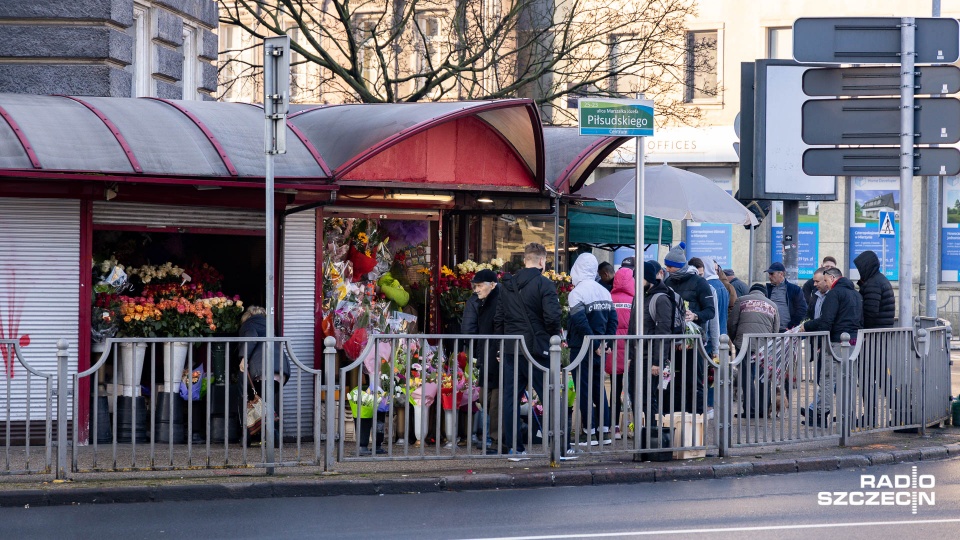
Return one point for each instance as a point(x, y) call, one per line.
point(268, 346)
point(751, 254)
point(330, 399)
point(63, 360)
point(907, 54)
point(932, 241)
point(638, 233)
point(791, 238)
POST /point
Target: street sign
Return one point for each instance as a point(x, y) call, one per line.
point(879, 161)
point(886, 225)
point(616, 117)
point(873, 40)
point(879, 81)
point(876, 121)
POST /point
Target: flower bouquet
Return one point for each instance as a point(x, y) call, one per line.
point(226, 312)
point(363, 402)
point(139, 317)
point(180, 317)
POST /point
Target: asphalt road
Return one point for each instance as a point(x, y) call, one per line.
point(782, 506)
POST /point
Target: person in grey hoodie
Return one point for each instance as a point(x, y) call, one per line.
point(591, 314)
point(752, 314)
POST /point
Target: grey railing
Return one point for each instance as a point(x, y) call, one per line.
point(886, 379)
point(23, 459)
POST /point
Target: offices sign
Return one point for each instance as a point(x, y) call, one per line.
point(616, 117)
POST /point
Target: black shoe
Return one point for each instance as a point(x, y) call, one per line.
point(197, 439)
point(381, 451)
point(364, 451)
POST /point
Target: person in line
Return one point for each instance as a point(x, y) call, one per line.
point(478, 314)
point(623, 293)
point(809, 287)
point(629, 262)
point(659, 309)
point(879, 311)
point(787, 296)
point(700, 309)
point(813, 312)
point(753, 313)
point(711, 331)
point(605, 273)
point(529, 306)
point(842, 311)
point(722, 296)
point(591, 314)
point(741, 287)
point(253, 324)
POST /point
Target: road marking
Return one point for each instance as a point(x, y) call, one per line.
point(726, 530)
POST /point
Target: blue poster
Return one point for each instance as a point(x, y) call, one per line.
point(871, 197)
point(950, 239)
point(710, 240)
point(808, 257)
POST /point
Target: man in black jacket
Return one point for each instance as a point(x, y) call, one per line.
point(842, 312)
point(879, 302)
point(478, 315)
point(810, 287)
point(658, 320)
point(529, 307)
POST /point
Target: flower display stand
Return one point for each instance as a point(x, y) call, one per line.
point(420, 426)
point(130, 368)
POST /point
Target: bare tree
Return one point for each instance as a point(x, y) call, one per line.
point(376, 51)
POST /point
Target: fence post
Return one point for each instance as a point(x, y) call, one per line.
point(330, 399)
point(923, 345)
point(557, 404)
point(846, 388)
point(63, 359)
point(725, 402)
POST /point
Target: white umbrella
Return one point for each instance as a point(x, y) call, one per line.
point(670, 193)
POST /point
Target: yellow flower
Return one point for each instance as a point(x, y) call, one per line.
point(445, 271)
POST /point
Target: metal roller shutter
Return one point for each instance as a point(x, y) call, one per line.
point(299, 287)
point(39, 295)
point(158, 215)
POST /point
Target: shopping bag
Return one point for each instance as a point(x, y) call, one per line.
point(254, 414)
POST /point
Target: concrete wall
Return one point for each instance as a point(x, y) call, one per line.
point(88, 48)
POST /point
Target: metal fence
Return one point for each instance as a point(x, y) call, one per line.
point(177, 403)
point(774, 384)
point(657, 408)
point(428, 397)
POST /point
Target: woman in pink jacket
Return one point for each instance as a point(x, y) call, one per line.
point(622, 293)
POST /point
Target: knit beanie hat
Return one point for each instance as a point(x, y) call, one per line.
point(677, 257)
point(650, 271)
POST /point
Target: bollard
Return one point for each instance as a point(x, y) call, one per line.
point(330, 401)
point(63, 359)
point(557, 406)
point(724, 402)
point(846, 388)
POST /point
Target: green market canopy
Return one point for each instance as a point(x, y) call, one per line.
point(600, 224)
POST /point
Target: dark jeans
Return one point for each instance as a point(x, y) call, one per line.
point(511, 395)
point(649, 400)
point(592, 392)
point(754, 396)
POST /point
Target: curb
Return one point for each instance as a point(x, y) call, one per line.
point(470, 482)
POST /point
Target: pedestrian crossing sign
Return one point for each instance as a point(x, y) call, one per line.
point(886, 225)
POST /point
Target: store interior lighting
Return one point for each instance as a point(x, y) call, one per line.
point(423, 197)
point(485, 200)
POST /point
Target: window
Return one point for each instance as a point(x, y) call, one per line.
point(141, 83)
point(369, 63)
point(431, 46)
point(619, 62)
point(780, 43)
point(701, 65)
point(240, 59)
point(191, 64)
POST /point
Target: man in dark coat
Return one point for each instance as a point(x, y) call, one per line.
point(529, 306)
point(842, 312)
point(810, 287)
point(739, 286)
point(879, 302)
point(657, 321)
point(478, 319)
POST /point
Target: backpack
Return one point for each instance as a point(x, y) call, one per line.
point(676, 304)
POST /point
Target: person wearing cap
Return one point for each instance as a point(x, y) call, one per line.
point(753, 313)
point(739, 286)
point(629, 262)
point(591, 314)
point(787, 296)
point(810, 288)
point(700, 309)
point(478, 315)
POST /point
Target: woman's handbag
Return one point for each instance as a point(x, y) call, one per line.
point(254, 410)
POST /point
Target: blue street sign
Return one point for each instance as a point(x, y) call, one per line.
point(886, 225)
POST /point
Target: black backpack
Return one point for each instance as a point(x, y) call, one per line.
point(676, 305)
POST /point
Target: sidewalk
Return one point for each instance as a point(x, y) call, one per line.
point(372, 478)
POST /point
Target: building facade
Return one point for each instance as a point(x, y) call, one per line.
point(115, 48)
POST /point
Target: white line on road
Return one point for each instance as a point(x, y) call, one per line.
point(726, 530)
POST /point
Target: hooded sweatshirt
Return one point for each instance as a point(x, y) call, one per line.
point(721, 300)
point(879, 302)
point(624, 289)
point(591, 306)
